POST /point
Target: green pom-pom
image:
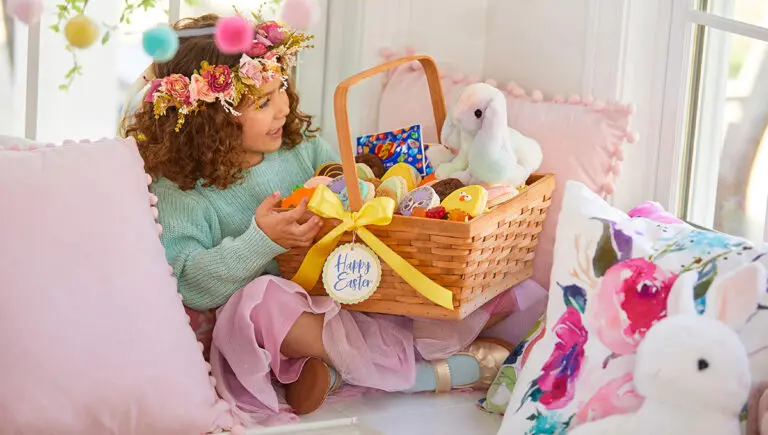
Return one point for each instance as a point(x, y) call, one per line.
point(161, 42)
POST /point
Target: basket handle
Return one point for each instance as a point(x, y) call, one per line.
point(342, 115)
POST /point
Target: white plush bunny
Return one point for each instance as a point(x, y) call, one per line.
point(693, 370)
point(486, 150)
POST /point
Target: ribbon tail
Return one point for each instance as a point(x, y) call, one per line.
point(312, 266)
point(428, 288)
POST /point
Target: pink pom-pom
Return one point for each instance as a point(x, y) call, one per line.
point(152, 199)
point(608, 188)
point(632, 137)
point(588, 100)
point(159, 230)
point(200, 345)
point(616, 169)
point(537, 96)
point(26, 11)
point(386, 53)
point(300, 14)
point(618, 153)
point(416, 66)
point(491, 82)
point(180, 296)
point(558, 99)
point(15, 148)
point(208, 366)
point(233, 35)
point(155, 213)
point(213, 381)
point(598, 105)
point(518, 92)
point(458, 78)
point(574, 99)
point(511, 87)
point(33, 147)
point(149, 179)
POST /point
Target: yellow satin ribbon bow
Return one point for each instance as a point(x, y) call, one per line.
point(377, 211)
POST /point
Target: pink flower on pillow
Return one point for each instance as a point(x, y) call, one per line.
point(631, 298)
point(655, 212)
point(617, 396)
point(557, 381)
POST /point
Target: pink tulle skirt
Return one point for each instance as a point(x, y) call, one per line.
point(368, 350)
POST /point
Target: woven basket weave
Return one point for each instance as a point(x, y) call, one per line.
point(476, 260)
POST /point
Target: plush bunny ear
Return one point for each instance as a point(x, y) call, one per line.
point(733, 297)
point(680, 299)
point(494, 126)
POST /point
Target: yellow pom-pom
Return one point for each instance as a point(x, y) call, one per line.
point(81, 32)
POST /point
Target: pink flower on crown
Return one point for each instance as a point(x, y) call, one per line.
point(199, 90)
point(220, 80)
point(257, 49)
point(177, 86)
point(153, 87)
point(250, 71)
point(273, 32)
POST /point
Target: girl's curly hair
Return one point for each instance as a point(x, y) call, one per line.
point(209, 145)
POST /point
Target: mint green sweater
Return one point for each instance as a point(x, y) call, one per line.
point(210, 236)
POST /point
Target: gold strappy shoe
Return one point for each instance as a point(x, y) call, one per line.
point(312, 387)
point(490, 355)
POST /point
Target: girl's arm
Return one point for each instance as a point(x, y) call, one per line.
point(209, 268)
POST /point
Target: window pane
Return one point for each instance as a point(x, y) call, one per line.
point(729, 184)
point(749, 11)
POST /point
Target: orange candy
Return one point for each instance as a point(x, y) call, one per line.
point(419, 212)
point(428, 179)
point(458, 215)
point(293, 200)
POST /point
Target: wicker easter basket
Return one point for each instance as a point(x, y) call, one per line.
point(476, 260)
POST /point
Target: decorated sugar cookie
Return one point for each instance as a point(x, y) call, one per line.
point(470, 199)
point(330, 169)
point(394, 187)
point(338, 184)
point(424, 197)
point(372, 162)
point(351, 273)
point(366, 192)
point(293, 200)
point(407, 172)
point(447, 186)
point(364, 171)
point(316, 181)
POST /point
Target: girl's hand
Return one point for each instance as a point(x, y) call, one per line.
point(290, 229)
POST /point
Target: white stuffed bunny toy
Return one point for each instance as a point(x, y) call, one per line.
point(478, 145)
point(693, 370)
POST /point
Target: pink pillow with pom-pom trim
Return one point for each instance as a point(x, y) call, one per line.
point(95, 337)
point(581, 139)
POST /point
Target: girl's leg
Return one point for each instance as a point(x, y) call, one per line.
point(305, 338)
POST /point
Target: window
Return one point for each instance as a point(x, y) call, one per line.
point(91, 107)
point(718, 69)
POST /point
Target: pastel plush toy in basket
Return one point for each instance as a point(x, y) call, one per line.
point(395, 242)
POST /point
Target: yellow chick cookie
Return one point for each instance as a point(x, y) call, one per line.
point(408, 172)
point(469, 199)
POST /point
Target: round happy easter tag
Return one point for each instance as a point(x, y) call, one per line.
point(351, 273)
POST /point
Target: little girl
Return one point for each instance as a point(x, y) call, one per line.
point(223, 138)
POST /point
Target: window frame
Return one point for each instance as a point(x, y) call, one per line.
point(675, 169)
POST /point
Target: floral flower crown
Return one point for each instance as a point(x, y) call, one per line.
point(272, 55)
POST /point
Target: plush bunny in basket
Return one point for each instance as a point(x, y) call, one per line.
point(693, 370)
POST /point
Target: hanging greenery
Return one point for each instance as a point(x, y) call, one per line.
point(82, 32)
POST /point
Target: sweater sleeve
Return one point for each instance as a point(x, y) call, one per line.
point(322, 152)
point(209, 268)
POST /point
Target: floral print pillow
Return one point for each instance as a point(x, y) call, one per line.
point(500, 391)
point(611, 277)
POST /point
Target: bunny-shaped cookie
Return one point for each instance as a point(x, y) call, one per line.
point(487, 151)
point(693, 370)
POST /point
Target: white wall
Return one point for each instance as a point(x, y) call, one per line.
point(610, 49)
